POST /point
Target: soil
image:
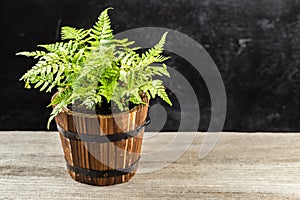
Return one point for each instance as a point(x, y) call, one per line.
point(106, 108)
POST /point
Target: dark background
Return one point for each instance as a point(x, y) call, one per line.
point(255, 44)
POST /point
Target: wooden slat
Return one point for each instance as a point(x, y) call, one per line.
point(102, 156)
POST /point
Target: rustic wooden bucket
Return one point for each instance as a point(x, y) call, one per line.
point(102, 149)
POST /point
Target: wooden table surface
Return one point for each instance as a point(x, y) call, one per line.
point(241, 166)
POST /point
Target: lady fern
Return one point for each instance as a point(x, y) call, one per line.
point(92, 68)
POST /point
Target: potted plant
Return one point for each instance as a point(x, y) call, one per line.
point(103, 87)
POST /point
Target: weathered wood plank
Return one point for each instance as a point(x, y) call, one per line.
point(241, 166)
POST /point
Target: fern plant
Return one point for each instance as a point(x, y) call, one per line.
point(92, 67)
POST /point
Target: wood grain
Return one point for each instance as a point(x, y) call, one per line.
point(241, 166)
point(102, 156)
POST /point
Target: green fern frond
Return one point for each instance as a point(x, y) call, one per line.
point(70, 33)
point(102, 31)
point(59, 101)
point(154, 88)
point(160, 90)
point(124, 43)
point(35, 54)
point(163, 95)
point(91, 67)
point(160, 71)
point(157, 49)
point(153, 55)
point(136, 98)
point(42, 73)
point(53, 47)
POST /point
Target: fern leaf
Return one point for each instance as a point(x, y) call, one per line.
point(157, 49)
point(44, 86)
point(69, 33)
point(52, 47)
point(153, 54)
point(102, 31)
point(35, 54)
point(163, 95)
point(161, 92)
point(157, 70)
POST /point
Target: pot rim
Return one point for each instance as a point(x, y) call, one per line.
point(135, 109)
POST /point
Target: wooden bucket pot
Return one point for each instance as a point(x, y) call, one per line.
point(102, 149)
